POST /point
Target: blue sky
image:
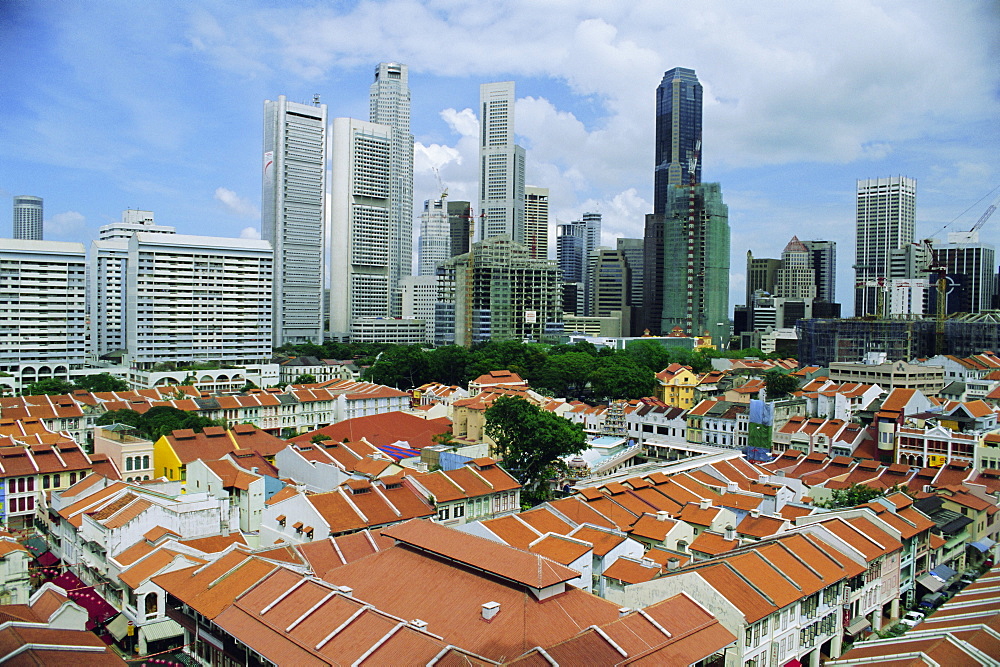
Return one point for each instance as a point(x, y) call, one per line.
point(158, 105)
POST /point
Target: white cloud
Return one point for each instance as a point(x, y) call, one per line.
point(63, 225)
point(249, 233)
point(235, 203)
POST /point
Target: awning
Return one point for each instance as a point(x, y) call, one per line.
point(983, 545)
point(943, 572)
point(857, 625)
point(930, 582)
point(47, 559)
point(164, 629)
point(794, 662)
point(118, 627)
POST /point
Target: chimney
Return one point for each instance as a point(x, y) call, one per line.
point(762, 479)
point(419, 624)
point(624, 611)
point(704, 503)
point(781, 473)
point(732, 486)
point(673, 563)
point(730, 533)
point(754, 514)
point(490, 609)
point(662, 515)
point(346, 590)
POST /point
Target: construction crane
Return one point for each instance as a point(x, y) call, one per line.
point(441, 188)
point(470, 273)
point(941, 269)
point(985, 216)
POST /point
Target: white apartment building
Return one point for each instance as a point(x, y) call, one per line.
point(42, 309)
point(198, 298)
point(360, 226)
point(886, 214)
point(419, 296)
point(389, 97)
point(501, 164)
point(393, 330)
point(133, 220)
point(293, 215)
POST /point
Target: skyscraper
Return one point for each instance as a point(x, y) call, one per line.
point(796, 278)
point(390, 105)
point(678, 130)
point(824, 262)
point(460, 223)
point(435, 236)
point(886, 212)
point(501, 165)
point(27, 218)
point(971, 271)
point(293, 215)
point(360, 236)
point(695, 280)
point(536, 221)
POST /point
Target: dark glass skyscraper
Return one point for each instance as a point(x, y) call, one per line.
point(678, 129)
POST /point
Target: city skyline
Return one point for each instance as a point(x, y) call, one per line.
point(795, 119)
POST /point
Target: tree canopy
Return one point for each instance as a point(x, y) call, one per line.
point(102, 382)
point(779, 384)
point(158, 421)
point(856, 494)
point(531, 441)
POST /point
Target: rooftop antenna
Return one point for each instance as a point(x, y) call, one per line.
point(315, 99)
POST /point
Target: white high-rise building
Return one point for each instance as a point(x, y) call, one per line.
point(796, 278)
point(536, 221)
point(133, 221)
point(107, 269)
point(501, 165)
point(28, 218)
point(197, 298)
point(886, 214)
point(435, 236)
point(43, 304)
point(360, 237)
point(293, 215)
point(419, 299)
point(390, 105)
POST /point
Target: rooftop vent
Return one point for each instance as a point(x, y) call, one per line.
point(490, 609)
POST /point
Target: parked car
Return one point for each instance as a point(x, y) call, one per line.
point(912, 618)
point(968, 578)
point(931, 600)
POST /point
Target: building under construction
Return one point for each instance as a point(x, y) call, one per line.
point(823, 341)
point(504, 295)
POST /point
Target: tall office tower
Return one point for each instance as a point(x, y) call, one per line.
point(796, 278)
point(591, 231)
point(505, 295)
point(132, 221)
point(695, 279)
point(886, 212)
point(970, 269)
point(678, 130)
point(390, 105)
point(824, 263)
point(27, 218)
point(460, 227)
point(435, 236)
point(43, 329)
point(611, 280)
point(293, 215)
point(360, 227)
point(107, 268)
point(501, 165)
point(762, 274)
point(633, 251)
point(536, 221)
point(197, 298)
point(651, 312)
point(571, 252)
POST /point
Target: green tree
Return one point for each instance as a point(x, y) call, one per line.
point(305, 378)
point(779, 384)
point(400, 366)
point(50, 386)
point(248, 386)
point(622, 377)
point(319, 437)
point(130, 417)
point(531, 443)
point(564, 374)
point(856, 494)
point(102, 382)
point(446, 439)
point(448, 365)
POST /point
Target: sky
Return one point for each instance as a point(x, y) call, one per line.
point(159, 106)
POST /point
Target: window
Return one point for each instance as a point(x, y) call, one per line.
point(459, 511)
point(46, 481)
point(145, 461)
point(20, 485)
point(55, 480)
point(72, 478)
point(31, 502)
point(151, 604)
point(12, 486)
point(443, 514)
point(31, 484)
point(128, 463)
